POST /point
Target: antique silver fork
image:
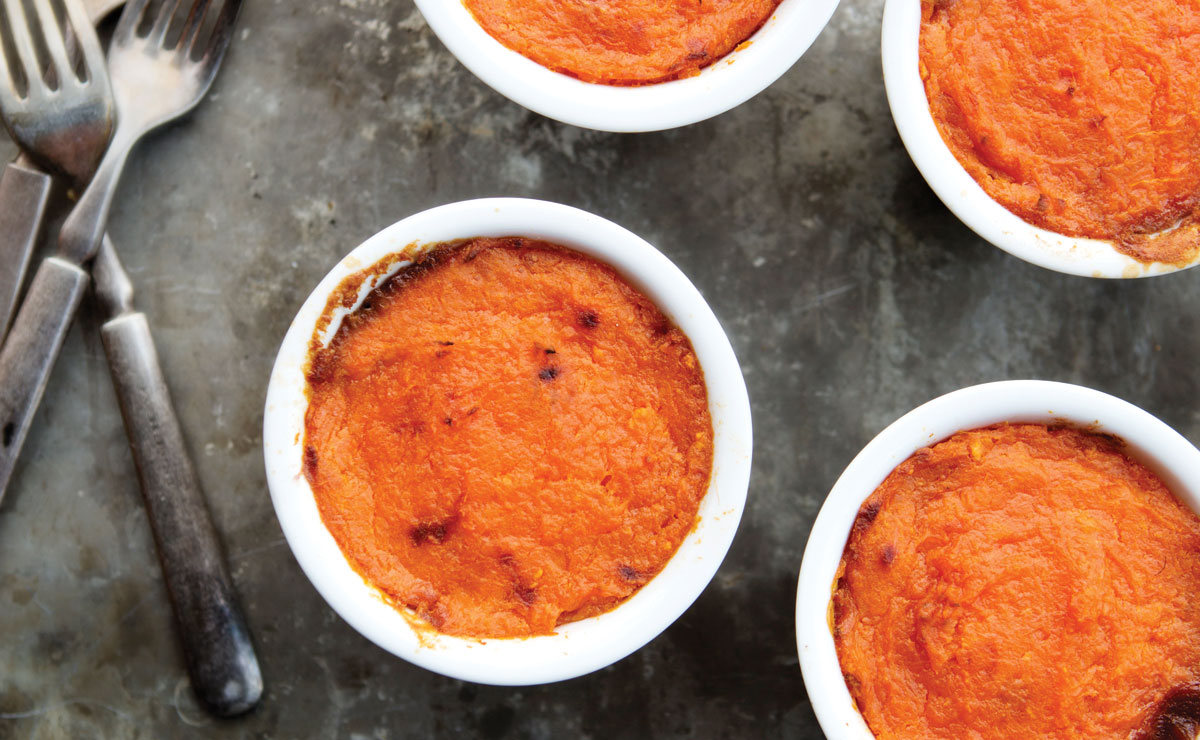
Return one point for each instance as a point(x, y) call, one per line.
point(35, 114)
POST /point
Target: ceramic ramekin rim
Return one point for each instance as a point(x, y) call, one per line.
point(959, 191)
point(723, 85)
point(1147, 439)
point(579, 647)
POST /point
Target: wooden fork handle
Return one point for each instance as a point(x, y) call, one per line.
point(216, 641)
point(23, 196)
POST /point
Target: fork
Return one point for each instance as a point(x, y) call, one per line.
point(87, 102)
point(220, 656)
point(152, 82)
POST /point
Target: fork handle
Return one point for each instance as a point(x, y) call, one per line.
point(30, 351)
point(23, 196)
point(81, 234)
point(216, 641)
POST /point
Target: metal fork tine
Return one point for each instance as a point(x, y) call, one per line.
point(54, 37)
point(222, 32)
point(163, 22)
point(86, 41)
point(195, 21)
point(19, 26)
point(8, 83)
point(130, 18)
point(83, 40)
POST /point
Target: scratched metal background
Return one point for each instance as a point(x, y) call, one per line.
point(850, 293)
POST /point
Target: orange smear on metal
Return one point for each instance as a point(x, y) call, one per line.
point(1080, 116)
point(1020, 582)
point(632, 42)
point(509, 438)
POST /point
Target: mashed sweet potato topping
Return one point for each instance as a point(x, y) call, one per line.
point(622, 42)
point(506, 436)
point(1022, 582)
point(1079, 116)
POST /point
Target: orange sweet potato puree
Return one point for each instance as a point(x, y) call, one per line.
point(1079, 116)
point(507, 436)
point(1021, 582)
point(631, 42)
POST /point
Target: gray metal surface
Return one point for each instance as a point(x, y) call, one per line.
point(850, 293)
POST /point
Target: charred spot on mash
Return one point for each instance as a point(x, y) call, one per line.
point(628, 573)
point(422, 265)
point(587, 318)
point(888, 555)
point(696, 50)
point(472, 251)
point(474, 247)
point(525, 593)
point(1177, 716)
point(435, 532)
point(868, 512)
point(853, 682)
point(413, 427)
point(866, 515)
point(549, 373)
point(310, 461)
point(321, 367)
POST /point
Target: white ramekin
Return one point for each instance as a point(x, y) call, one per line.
point(730, 81)
point(579, 647)
point(959, 191)
point(1147, 440)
